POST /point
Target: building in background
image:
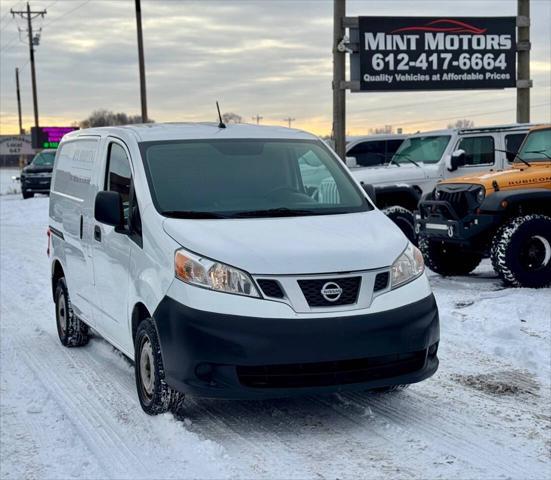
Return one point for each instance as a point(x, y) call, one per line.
point(15, 150)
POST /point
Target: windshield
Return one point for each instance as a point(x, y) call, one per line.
point(248, 178)
point(427, 149)
point(44, 159)
point(537, 146)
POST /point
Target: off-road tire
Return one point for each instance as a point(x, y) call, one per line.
point(448, 259)
point(390, 389)
point(26, 194)
point(507, 249)
point(161, 398)
point(72, 331)
point(404, 219)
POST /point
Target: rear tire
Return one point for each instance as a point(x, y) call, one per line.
point(448, 259)
point(404, 219)
point(26, 194)
point(153, 392)
point(72, 331)
point(521, 251)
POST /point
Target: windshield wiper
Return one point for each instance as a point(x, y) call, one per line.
point(406, 156)
point(516, 155)
point(541, 152)
point(275, 212)
point(192, 214)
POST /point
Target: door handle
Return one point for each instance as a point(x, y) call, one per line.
point(81, 225)
point(97, 233)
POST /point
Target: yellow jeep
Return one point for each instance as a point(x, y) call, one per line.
point(504, 215)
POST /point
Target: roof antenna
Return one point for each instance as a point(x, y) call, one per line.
point(221, 124)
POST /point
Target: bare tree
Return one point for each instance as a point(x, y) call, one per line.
point(105, 118)
point(230, 117)
point(462, 123)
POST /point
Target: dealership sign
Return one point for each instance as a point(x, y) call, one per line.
point(434, 53)
point(49, 137)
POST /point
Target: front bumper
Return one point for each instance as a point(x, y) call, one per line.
point(230, 356)
point(438, 219)
point(39, 184)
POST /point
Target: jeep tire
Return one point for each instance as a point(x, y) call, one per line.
point(72, 331)
point(153, 392)
point(448, 259)
point(521, 251)
point(404, 219)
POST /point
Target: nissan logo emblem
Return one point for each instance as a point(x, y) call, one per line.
point(331, 291)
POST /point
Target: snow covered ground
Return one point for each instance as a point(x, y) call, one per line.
point(73, 413)
point(7, 184)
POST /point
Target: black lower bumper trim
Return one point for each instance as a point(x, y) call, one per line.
point(229, 356)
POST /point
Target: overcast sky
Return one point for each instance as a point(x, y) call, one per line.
point(267, 57)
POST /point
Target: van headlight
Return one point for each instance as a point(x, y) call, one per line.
point(408, 266)
point(206, 273)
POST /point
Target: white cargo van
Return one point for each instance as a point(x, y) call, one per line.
point(214, 259)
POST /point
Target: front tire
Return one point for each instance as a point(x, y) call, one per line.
point(404, 219)
point(448, 259)
point(153, 392)
point(521, 251)
point(72, 331)
point(26, 194)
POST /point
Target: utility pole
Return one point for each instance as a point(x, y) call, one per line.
point(523, 61)
point(141, 60)
point(30, 16)
point(257, 117)
point(289, 120)
point(339, 76)
point(18, 101)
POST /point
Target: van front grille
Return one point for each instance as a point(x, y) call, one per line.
point(381, 281)
point(271, 288)
point(321, 374)
point(312, 290)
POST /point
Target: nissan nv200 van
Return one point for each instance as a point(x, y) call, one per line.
point(238, 262)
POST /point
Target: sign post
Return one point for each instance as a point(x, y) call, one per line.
point(339, 76)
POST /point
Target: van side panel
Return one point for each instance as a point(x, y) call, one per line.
point(71, 213)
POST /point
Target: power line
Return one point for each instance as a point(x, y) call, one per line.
point(30, 15)
point(55, 19)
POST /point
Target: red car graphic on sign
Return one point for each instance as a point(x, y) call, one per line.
point(444, 25)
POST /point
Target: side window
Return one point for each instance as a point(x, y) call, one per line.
point(512, 144)
point(478, 150)
point(392, 147)
point(119, 176)
point(368, 153)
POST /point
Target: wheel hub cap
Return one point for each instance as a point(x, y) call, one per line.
point(147, 371)
point(536, 253)
point(62, 314)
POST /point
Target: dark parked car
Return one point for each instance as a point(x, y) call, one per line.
point(37, 175)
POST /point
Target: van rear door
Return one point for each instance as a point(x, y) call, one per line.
point(71, 212)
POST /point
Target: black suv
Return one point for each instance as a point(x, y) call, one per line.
point(37, 175)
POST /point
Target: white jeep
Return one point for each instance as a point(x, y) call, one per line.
point(425, 158)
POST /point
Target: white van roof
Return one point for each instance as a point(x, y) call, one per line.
point(150, 132)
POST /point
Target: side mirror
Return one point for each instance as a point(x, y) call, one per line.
point(108, 209)
point(370, 190)
point(457, 159)
point(351, 162)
